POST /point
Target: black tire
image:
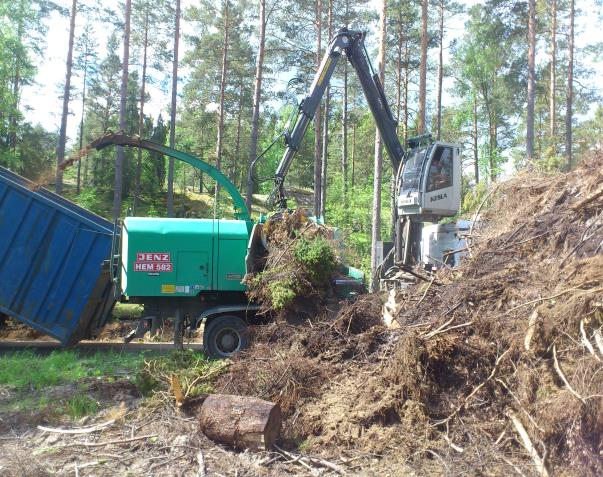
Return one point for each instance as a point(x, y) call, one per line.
point(224, 336)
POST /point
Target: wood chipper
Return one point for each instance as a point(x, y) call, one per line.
point(192, 269)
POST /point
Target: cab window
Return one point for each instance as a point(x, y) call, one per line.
point(411, 175)
point(440, 170)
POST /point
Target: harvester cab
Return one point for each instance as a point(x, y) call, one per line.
point(429, 181)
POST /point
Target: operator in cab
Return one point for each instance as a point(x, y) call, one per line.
point(440, 172)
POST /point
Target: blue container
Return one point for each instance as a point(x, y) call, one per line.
point(54, 262)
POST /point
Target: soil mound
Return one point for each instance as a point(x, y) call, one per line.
point(496, 370)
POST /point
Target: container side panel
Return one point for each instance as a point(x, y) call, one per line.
point(68, 296)
point(12, 213)
point(20, 260)
point(51, 261)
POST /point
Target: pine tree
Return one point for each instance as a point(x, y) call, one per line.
point(257, 94)
point(119, 161)
point(66, 97)
point(376, 223)
point(531, 80)
point(85, 65)
point(170, 187)
point(570, 89)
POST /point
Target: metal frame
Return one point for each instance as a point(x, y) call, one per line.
point(220, 310)
point(350, 43)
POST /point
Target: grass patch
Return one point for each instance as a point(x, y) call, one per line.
point(24, 370)
point(81, 405)
point(67, 383)
point(127, 311)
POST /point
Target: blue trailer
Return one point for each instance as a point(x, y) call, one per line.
point(54, 261)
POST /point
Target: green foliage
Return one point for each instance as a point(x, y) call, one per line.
point(351, 214)
point(305, 272)
point(472, 197)
point(153, 212)
point(282, 293)
point(551, 162)
point(317, 256)
point(81, 405)
point(91, 199)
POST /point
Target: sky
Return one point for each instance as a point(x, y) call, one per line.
point(44, 105)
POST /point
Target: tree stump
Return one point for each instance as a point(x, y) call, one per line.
point(240, 421)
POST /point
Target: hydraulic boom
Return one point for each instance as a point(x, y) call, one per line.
point(428, 174)
point(350, 43)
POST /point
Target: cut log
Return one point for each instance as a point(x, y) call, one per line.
point(240, 421)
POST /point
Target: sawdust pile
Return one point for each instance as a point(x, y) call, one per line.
point(11, 329)
point(297, 270)
point(497, 370)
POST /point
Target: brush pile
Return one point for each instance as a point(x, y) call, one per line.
point(497, 371)
point(298, 267)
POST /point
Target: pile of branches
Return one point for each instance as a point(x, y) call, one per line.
point(298, 267)
point(494, 368)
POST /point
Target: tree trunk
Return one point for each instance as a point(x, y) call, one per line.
point(234, 176)
point(423, 69)
point(399, 44)
point(324, 153)
point(243, 422)
point(224, 72)
point(170, 186)
point(440, 74)
point(475, 141)
point(570, 90)
point(406, 79)
point(531, 80)
point(376, 222)
point(79, 163)
point(257, 92)
point(493, 149)
point(141, 117)
point(325, 135)
point(399, 67)
point(344, 136)
point(13, 115)
point(119, 160)
point(317, 116)
point(66, 92)
point(353, 155)
point(553, 75)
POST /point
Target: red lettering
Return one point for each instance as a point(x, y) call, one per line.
point(152, 257)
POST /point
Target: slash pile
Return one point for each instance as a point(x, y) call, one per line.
point(498, 370)
point(298, 267)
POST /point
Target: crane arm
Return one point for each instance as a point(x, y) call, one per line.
point(351, 43)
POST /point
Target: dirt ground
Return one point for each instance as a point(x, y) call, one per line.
point(114, 332)
point(143, 438)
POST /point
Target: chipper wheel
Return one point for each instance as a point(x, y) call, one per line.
point(224, 336)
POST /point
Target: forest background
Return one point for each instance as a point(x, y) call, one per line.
point(517, 83)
